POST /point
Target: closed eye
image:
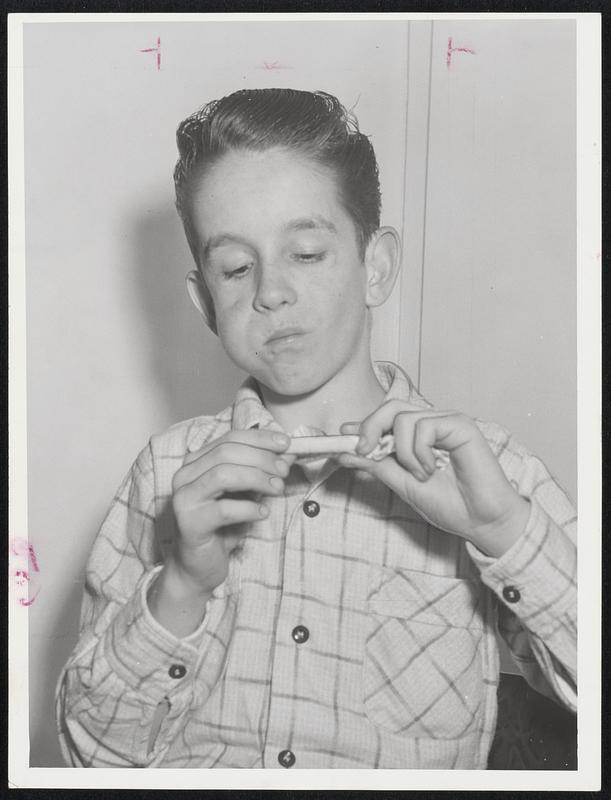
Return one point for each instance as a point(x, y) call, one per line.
point(238, 272)
point(309, 258)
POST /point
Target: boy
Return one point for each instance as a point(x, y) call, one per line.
point(246, 610)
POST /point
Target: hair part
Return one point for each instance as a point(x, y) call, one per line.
point(314, 124)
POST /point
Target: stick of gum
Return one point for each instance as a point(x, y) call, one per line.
point(301, 446)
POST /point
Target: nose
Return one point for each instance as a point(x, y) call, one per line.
point(274, 288)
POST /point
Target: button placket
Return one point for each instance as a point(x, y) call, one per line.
point(290, 612)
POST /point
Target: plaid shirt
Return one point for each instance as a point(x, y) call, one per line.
point(348, 633)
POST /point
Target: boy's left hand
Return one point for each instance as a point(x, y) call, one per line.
point(471, 497)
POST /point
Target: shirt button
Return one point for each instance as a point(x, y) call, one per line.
point(177, 671)
point(511, 594)
point(286, 758)
point(300, 634)
point(311, 508)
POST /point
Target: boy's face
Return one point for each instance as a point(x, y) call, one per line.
point(281, 260)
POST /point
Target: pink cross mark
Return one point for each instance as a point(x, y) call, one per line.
point(456, 50)
point(270, 65)
point(155, 50)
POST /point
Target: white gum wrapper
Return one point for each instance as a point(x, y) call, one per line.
point(333, 445)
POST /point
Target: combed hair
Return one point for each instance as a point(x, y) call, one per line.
point(314, 124)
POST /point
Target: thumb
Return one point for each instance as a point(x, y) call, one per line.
point(350, 427)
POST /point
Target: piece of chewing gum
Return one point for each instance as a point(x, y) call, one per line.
point(302, 446)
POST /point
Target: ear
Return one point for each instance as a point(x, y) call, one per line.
point(200, 297)
point(382, 262)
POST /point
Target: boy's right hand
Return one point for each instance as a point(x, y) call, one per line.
point(217, 489)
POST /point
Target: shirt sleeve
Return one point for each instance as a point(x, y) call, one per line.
point(125, 663)
point(535, 581)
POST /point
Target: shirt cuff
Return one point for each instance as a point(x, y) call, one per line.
point(538, 572)
point(146, 656)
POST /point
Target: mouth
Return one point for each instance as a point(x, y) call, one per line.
point(285, 336)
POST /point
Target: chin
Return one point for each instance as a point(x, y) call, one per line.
point(290, 384)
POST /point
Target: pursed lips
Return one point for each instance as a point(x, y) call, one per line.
point(285, 334)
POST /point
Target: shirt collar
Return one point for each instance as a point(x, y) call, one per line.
point(249, 412)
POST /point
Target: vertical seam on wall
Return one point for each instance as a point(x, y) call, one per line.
point(401, 302)
point(426, 187)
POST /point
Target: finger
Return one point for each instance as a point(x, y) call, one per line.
point(404, 430)
point(228, 478)
point(224, 452)
point(289, 460)
point(425, 437)
point(381, 421)
point(236, 512)
point(458, 437)
point(274, 441)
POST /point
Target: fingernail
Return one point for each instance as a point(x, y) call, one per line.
point(282, 466)
point(281, 438)
point(263, 510)
point(277, 483)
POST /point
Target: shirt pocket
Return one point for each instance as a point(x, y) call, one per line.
point(422, 669)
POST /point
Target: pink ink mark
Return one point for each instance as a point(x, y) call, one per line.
point(155, 50)
point(21, 577)
point(24, 602)
point(452, 49)
point(22, 548)
point(24, 552)
point(271, 65)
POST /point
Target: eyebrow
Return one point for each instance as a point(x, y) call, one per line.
point(219, 240)
point(311, 223)
point(316, 222)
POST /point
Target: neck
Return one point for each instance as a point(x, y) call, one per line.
point(349, 396)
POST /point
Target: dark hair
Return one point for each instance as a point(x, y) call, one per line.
point(312, 123)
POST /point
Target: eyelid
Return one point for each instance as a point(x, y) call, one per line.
point(318, 255)
point(236, 272)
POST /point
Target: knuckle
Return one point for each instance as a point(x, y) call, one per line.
point(220, 449)
point(390, 405)
point(223, 473)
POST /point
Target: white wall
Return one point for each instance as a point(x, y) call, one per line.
point(499, 296)
point(115, 351)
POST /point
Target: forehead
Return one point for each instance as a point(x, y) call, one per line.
point(277, 184)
